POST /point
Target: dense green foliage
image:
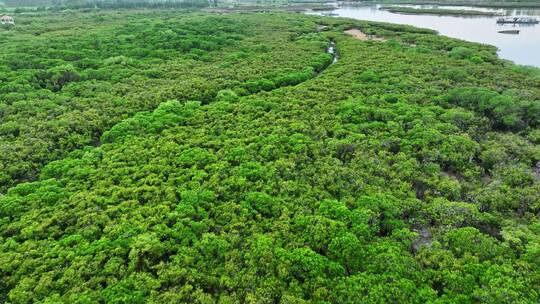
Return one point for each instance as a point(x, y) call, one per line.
point(249, 170)
point(61, 90)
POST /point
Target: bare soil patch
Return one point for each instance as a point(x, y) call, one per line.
point(358, 34)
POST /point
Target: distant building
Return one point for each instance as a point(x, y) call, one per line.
point(6, 20)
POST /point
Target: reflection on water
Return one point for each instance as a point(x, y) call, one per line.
point(522, 49)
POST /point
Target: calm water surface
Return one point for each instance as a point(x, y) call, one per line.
point(522, 49)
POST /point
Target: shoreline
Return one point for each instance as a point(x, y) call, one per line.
point(437, 11)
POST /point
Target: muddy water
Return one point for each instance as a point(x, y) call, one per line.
point(332, 50)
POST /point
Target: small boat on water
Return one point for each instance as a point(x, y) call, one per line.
point(517, 20)
point(330, 14)
point(509, 32)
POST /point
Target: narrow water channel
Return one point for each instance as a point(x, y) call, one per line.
point(333, 51)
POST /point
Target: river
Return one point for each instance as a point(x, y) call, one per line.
point(523, 48)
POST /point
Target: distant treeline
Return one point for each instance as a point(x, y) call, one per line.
point(107, 3)
point(436, 11)
point(17, 3)
point(484, 3)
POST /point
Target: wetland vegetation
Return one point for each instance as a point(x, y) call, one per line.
point(167, 156)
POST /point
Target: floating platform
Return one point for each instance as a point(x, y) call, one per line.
point(509, 32)
point(517, 20)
